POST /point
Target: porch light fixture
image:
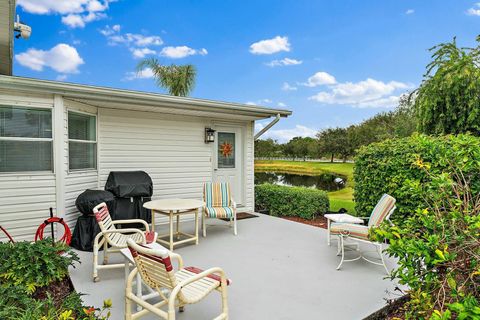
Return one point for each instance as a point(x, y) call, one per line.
point(209, 135)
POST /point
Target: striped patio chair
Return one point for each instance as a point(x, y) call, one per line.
point(382, 211)
point(175, 288)
point(114, 239)
point(218, 204)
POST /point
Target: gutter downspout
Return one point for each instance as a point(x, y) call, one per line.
point(271, 124)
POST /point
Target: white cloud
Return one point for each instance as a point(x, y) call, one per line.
point(270, 46)
point(61, 58)
point(146, 73)
point(181, 52)
point(368, 93)
point(259, 102)
point(284, 62)
point(410, 11)
point(475, 11)
point(142, 52)
point(61, 77)
point(284, 135)
point(75, 13)
point(319, 79)
point(288, 87)
point(138, 44)
point(281, 105)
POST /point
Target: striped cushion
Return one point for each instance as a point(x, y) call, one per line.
point(219, 212)
point(349, 229)
point(381, 210)
point(217, 194)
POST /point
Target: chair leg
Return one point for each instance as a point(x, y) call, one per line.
point(95, 260)
point(204, 229)
point(224, 300)
point(235, 223)
point(379, 250)
point(340, 240)
point(105, 252)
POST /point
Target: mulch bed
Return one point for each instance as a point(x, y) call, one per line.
point(393, 310)
point(58, 290)
point(320, 222)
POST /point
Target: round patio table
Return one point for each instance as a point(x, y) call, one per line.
point(175, 208)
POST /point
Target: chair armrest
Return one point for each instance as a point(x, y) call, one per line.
point(129, 221)
point(201, 275)
point(234, 204)
point(127, 230)
point(178, 258)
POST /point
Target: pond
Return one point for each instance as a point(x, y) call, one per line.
point(325, 181)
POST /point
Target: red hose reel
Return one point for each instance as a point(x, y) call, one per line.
point(67, 236)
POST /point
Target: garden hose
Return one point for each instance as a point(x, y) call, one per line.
point(67, 236)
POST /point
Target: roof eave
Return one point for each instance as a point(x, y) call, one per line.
point(128, 96)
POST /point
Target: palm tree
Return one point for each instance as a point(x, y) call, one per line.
point(179, 80)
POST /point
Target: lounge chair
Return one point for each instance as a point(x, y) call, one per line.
point(382, 211)
point(115, 238)
point(218, 204)
point(176, 288)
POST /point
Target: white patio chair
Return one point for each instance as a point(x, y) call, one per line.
point(175, 288)
point(382, 211)
point(115, 238)
point(218, 204)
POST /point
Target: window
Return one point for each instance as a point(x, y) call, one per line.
point(25, 139)
point(82, 141)
point(226, 150)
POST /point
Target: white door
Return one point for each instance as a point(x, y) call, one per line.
point(228, 155)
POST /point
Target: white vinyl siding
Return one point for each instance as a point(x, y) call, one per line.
point(25, 198)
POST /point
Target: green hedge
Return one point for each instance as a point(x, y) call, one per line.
point(291, 201)
point(396, 167)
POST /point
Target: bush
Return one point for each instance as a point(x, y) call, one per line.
point(391, 166)
point(34, 284)
point(438, 247)
point(291, 201)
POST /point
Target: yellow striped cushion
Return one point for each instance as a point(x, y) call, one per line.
point(349, 229)
point(381, 210)
point(219, 212)
point(217, 194)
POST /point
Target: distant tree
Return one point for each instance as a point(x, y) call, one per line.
point(179, 80)
point(448, 99)
point(333, 141)
point(268, 148)
point(300, 147)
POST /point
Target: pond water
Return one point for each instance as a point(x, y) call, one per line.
point(325, 181)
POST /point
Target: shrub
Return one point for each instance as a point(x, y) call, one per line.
point(291, 201)
point(438, 247)
point(391, 166)
point(33, 265)
point(33, 279)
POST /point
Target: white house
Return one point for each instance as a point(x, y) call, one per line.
point(58, 139)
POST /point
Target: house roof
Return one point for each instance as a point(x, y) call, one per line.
point(139, 100)
point(7, 11)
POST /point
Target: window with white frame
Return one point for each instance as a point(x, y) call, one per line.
point(25, 139)
point(82, 141)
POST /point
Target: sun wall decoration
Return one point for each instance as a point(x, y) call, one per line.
point(226, 149)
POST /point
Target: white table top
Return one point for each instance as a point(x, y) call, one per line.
point(173, 204)
point(127, 254)
point(343, 217)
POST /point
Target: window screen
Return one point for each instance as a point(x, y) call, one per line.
point(82, 141)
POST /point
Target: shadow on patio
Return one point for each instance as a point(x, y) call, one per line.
point(280, 270)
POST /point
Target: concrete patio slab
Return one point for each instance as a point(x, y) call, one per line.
point(280, 270)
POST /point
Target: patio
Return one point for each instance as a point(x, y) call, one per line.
point(280, 270)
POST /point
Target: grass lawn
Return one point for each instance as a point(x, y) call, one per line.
point(338, 199)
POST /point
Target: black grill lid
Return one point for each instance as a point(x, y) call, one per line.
point(126, 184)
point(88, 199)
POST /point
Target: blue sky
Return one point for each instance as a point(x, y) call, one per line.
point(333, 63)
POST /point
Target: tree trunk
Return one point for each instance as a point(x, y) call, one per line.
point(331, 160)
